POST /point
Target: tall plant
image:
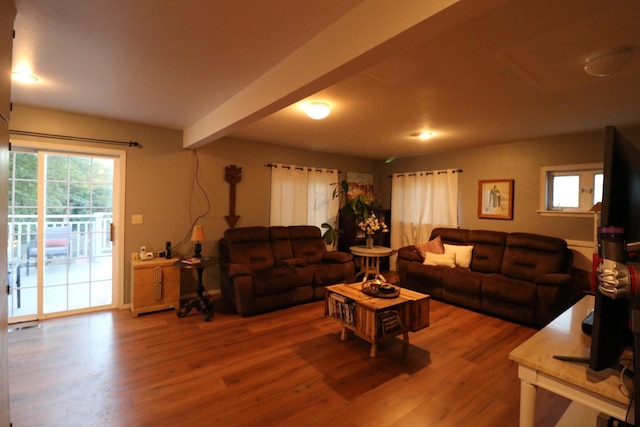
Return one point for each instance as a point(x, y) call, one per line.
point(333, 233)
point(359, 205)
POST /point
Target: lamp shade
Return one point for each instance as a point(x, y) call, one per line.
point(198, 234)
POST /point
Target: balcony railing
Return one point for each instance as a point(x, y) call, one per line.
point(88, 236)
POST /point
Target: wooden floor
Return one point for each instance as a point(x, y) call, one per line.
point(284, 368)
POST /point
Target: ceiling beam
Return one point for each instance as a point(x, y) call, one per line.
point(366, 35)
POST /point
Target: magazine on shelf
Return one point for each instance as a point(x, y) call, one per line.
point(191, 260)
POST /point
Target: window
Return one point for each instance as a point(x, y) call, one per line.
point(571, 188)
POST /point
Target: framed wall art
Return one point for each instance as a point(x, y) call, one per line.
point(495, 199)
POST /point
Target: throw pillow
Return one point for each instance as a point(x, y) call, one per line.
point(448, 260)
point(54, 243)
point(463, 254)
point(433, 246)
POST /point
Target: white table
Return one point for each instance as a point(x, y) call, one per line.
point(371, 260)
point(538, 368)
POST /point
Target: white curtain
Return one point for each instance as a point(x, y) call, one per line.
point(420, 202)
point(302, 195)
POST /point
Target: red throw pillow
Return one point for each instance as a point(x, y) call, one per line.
point(434, 246)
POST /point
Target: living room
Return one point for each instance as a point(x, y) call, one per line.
point(161, 188)
point(165, 202)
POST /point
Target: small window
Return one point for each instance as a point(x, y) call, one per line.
point(571, 188)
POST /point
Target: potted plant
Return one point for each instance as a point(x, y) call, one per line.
point(359, 205)
point(333, 233)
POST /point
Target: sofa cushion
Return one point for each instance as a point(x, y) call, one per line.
point(328, 274)
point(274, 281)
point(447, 260)
point(488, 250)
point(305, 274)
point(462, 254)
point(307, 243)
point(499, 287)
point(528, 256)
point(280, 244)
point(433, 246)
point(425, 279)
point(451, 236)
point(462, 286)
point(250, 246)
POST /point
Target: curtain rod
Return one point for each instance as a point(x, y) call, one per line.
point(271, 165)
point(74, 138)
point(424, 173)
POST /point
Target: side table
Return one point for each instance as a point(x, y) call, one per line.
point(371, 260)
point(200, 302)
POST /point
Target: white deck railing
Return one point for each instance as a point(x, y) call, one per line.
point(88, 235)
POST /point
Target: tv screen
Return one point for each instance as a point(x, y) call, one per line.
point(620, 208)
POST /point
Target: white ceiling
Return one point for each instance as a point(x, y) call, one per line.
point(472, 72)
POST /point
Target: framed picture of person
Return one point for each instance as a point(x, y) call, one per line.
point(495, 199)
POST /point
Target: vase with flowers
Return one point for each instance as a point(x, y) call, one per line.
point(372, 225)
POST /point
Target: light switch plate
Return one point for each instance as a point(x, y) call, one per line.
point(136, 219)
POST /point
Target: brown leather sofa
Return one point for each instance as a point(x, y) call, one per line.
point(268, 268)
point(519, 276)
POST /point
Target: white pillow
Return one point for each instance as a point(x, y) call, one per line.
point(463, 254)
point(448, 260)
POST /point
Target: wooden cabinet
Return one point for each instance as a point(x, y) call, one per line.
point(155, 285)
point(352, 235)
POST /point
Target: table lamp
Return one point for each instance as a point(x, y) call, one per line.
point(197, 236)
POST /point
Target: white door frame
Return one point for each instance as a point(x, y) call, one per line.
point(119, 175)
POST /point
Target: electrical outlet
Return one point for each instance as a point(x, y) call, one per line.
point(136, 219)
point(135, 256)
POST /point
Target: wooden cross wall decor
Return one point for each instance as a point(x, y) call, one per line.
point(232, 174)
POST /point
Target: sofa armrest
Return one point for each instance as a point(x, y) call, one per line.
point(291, 262)
point(409, 253)
point(236, 270)
point(336, 257)
point(554, 279)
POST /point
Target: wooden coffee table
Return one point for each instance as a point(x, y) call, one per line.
point(376, 319)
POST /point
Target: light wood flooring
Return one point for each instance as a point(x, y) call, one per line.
point(285, 368)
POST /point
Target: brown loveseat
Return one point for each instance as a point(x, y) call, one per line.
point(520, 276)
point(268, 268)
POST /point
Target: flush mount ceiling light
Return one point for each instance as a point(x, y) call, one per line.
point(23, 77)
point(317, 110)
point(425, 135)
point(608, 62)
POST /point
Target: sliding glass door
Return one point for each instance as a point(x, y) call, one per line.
point(61, 210)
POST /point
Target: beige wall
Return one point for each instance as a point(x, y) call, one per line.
point(520, 161)
point(160, 183)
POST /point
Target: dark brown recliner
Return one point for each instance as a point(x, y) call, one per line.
point(268, 268)
point(520, 276)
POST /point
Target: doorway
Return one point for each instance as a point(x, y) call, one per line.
point(62, 206)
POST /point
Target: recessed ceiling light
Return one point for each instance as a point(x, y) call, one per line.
point(23, 77)
point(317, 110)
point(425, 135)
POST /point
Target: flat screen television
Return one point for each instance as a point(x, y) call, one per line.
point(620, 207)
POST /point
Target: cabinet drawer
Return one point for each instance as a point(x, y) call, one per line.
point(149, 275)
point(145, 294)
